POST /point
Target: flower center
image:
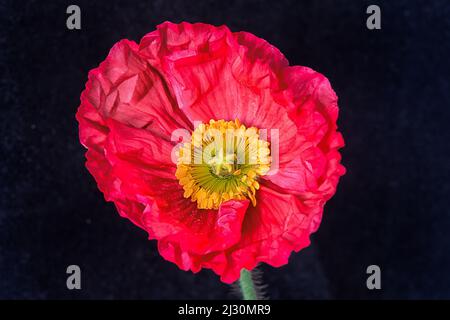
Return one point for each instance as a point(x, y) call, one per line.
point(222, 161)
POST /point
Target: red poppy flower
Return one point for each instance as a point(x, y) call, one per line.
point(216, 214)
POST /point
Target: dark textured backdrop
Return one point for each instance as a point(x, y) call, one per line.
point(391, 208)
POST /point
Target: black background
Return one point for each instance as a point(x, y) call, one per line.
point(391, 208)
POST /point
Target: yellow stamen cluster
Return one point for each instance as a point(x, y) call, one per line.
point(222, 161)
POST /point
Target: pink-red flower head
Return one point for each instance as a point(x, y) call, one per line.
point(186, 79)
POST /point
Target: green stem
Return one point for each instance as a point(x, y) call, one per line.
point(247, 286)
